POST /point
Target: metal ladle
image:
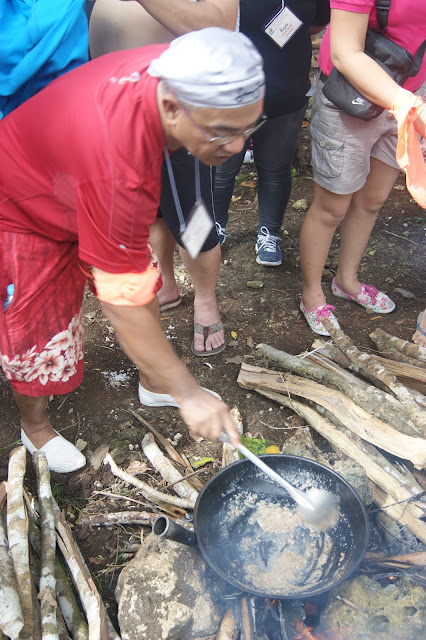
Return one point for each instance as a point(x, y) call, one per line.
point(317, 506)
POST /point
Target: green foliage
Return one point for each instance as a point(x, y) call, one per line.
point(256, 445)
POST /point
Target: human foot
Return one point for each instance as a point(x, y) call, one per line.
point(419, 336)
point(39, 434)
point(367, 296)
point(314, 318)
point(169, 296)
point(209, 336)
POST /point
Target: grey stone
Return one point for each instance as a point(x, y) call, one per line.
point(164, 593)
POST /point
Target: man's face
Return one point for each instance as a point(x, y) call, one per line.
point(194, 129)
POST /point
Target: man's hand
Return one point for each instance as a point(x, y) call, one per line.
point(208, 417)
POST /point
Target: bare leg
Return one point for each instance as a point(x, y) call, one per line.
point(359, 222)
point(164, 245)
point(418, 337)
point(325, 213)
point(34, 421)
point(204, 271)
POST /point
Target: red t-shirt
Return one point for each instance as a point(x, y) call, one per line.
point(406, 27)
point(81, 161)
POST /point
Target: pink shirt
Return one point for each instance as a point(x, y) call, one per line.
point(406, 27)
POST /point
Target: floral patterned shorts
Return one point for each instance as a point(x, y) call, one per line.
point(41, 332)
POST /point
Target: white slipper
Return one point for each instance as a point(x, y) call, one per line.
point(62, 456)
point(151, 399)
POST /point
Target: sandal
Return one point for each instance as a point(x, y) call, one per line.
point(205, 332)
point(314, 318)
point(171, 305)
point(369, 297)
point(418, 327)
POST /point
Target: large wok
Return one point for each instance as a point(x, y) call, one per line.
point(247, 529)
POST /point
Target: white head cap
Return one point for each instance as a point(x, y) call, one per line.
point(213, 68)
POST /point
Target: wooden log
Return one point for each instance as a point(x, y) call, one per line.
point(399, 512)
point(404, 561)
point(228, 627)
point(413, 351)
point(47, 586)
point(412, 377)
point(17, 533)
point(83, 581)
point(331, 375)
point(74, 620)
point(147, 491)
point(392, 489)
point(377, 372)
point(351, 415)
point(167, 470)
point(121, 517)
point(11, 618)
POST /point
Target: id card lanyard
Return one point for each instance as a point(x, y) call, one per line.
point(195, 232)
point(282, 26)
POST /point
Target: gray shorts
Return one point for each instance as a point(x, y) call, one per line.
point(342, 145)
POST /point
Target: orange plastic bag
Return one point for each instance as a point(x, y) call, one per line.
point(409, 155)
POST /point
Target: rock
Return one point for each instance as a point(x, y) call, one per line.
point(166, 593)
point(396, 611)
point(300, 205)
point(255, 284)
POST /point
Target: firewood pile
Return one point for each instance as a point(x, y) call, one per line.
point(37, 599)
point(366, 406)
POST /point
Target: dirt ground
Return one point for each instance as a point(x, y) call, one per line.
point(98, 412)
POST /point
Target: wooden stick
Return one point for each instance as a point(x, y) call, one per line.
point(75, 622)
point(17, 533)
point(11, 618)
point(377, 372)
point(166, 469)
point(229, 453)
point(404, 561)
point(228, 627)
point(147, 491)
point(180, 459)
point(413, 351)
point(351, 415)
point(47, 587)
point(375, 472)
point(89, 596)
point(120, 517)
point(3, 493)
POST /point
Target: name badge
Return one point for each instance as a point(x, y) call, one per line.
point(282, 26)
point(197, 229)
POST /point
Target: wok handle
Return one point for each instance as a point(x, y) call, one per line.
point(296, 494)
point(163, 527)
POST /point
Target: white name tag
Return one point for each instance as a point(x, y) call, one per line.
point(197, 229)
point(282, 26)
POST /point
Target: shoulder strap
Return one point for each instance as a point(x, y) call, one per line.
point(382, 8)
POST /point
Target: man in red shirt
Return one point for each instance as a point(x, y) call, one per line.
point(80, 181)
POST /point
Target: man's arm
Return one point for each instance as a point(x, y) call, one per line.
point(182, 16)
point(142, 338)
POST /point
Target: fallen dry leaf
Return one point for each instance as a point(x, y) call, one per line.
point(249, 183)
point(136, 467)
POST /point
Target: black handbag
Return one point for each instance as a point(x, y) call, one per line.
point(394, 59)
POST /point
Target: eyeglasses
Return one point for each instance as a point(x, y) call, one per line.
point(223, 140)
